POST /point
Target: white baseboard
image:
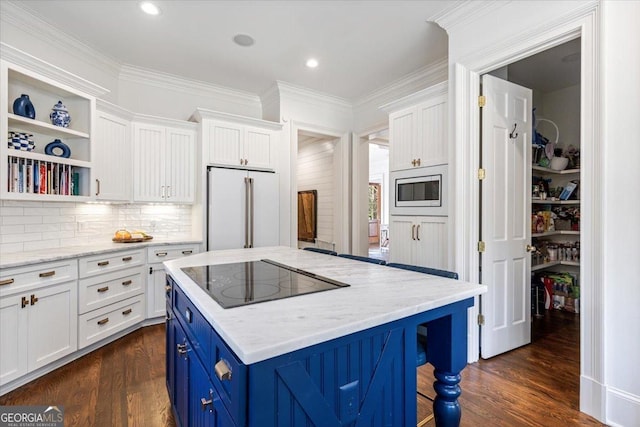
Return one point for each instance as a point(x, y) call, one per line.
point(592, 398)
point(623, 409)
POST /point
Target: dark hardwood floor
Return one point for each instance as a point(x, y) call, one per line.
point(122, 384)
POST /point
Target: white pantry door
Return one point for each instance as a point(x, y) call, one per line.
point(505, 216)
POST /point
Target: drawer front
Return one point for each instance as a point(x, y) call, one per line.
point(229, 376)
point(197, 328)
point(166, 253)
point(99, 264)
point(100, 291)
point(20, 279)
point(103, 322)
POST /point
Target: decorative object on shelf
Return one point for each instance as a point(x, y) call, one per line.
point(57, 148)
point(60, 115)
point(559, 163)
point(23, 107)
point(21, 141)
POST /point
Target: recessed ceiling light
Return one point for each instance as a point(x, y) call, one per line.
point(149, 8)
point(311, 63)
point(244, 40)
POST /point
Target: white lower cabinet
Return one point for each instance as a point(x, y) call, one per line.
point(156, 295)
point(38, 317)
point(111, 294)
point(419, 240)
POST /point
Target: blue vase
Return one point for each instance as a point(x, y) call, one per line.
point(60, 115)
point(23, 107)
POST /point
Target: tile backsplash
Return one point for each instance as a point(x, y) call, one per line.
point(26, 226)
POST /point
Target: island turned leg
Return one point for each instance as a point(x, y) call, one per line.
point(447, 352)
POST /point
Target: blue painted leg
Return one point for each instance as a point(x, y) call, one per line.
point(446, 408)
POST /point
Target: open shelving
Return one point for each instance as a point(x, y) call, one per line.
point(18, 168)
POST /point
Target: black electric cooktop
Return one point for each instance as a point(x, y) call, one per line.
point(243, 283)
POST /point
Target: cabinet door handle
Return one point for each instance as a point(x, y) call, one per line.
point(167, 289)
point(103, 263)
point(168, 191)
point(101, 290)
point(223, 372)
point(413, 232)
point(126, 283)
point(34, 299)
point(246, 162)
point(181, 348)
point(97, 187)
point(6, 282)
point(48, 274)
point(103, 321)
point(187, 252)
point(418, 232)
point(413, 162)
point(418, 162)
point(241, 162)
point(204, 402)
point(161, 254)
point(25, 302)
point(162, 191)
point(127, 258)
point(126, 312)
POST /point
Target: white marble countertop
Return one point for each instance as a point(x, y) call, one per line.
point(18, 259)
point(377, 295)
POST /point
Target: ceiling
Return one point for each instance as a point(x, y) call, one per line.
point(361, 46)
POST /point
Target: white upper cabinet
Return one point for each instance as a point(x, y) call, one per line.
point(418, 129)
point(164, 159)
point(31, 168)
point(239, 142)
point(113, 154)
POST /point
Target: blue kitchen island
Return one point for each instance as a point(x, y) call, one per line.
point(338, 357)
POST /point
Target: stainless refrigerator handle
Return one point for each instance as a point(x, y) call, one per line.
point(251, 214)
point(247, 189)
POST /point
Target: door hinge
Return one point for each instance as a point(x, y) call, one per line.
point(482, 101)
point(480, 319)
point(482, 174)
point(481, 246)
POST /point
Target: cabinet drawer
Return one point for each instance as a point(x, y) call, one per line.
point(229, 375)
point(166, 253)
point(99, 291)
point(20, 279)
point(106, 321)
point(197, 328)
point(98, 264)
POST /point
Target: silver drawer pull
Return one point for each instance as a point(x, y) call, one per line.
point(101, 290)
point(223, 372)
point(161, 254)
point(126, 283)
point(182, 348)
point(187, 252)
point(103, 321)
point(127, 258)
point(103, 263)
point(6, 282)
point(48, 273)
point(126, 312)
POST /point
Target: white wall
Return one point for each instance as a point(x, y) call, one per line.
point(315, 166)
point(26, 226)
point(620, 110)
point(563, 107)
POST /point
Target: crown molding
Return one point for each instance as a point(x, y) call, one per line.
point(205, 114)
point(416, 97)
point(30, 62)
point(426, 76)
point(311, 97)
point(116, 110)
point(161, 80)
point(15, 15)
point(164, 121)
point(463, 11)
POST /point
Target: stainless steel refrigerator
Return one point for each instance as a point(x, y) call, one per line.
point(242, 208)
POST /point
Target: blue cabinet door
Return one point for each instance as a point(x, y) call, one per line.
point(205, 407)
point(170, 355)
point(181, 350)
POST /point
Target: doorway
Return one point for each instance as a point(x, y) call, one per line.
point(527, 285)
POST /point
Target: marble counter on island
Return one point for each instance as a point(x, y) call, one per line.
point(362, 336)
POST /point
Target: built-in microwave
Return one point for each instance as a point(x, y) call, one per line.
point(421, 191)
